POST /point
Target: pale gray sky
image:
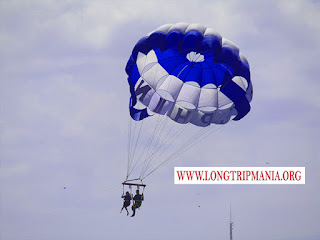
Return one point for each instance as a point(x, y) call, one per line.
point(64, 117)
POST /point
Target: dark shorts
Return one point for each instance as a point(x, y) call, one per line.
point(126, 203)
point(138, 204)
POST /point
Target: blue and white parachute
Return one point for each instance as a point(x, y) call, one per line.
point(187, 73)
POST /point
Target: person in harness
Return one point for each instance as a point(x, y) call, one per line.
point(137, 201)
point(126, 202)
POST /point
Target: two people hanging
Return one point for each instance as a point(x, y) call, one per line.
point(137, 200)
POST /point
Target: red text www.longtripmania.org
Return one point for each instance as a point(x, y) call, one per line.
point(250, 176)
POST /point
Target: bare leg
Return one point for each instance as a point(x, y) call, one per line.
point(133, 210)
point(122, 208)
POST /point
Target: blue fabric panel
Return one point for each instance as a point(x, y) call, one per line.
point(179, 70)
point(132, 79)
point(170, 64)
point(208, 76)
point(174, 40)
point(243, 107)
point(233, 92)
point(170, 60)
point(191, 42)
point(131, 62)
point(134, 76)
point(158, 52)
point(228, 57)
point(156, 40)
point(141, 46)
point(195, 74)
point(185, 72)
point(136, 114)
point(210, 43)
point(219, 71)
point(169, 53)
point(243, 71)
point(204, 64)
point(227, 76)
point(208, 56)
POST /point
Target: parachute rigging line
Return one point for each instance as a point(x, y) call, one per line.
point(177, 153)
point(143, 151)
point(172, 139)
point(157, 146)
point(131, 155)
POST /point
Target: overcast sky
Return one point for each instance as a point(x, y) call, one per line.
point(64, 118)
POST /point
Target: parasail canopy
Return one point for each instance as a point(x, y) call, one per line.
point(189, 73)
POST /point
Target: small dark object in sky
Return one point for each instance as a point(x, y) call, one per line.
point(64, 188)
